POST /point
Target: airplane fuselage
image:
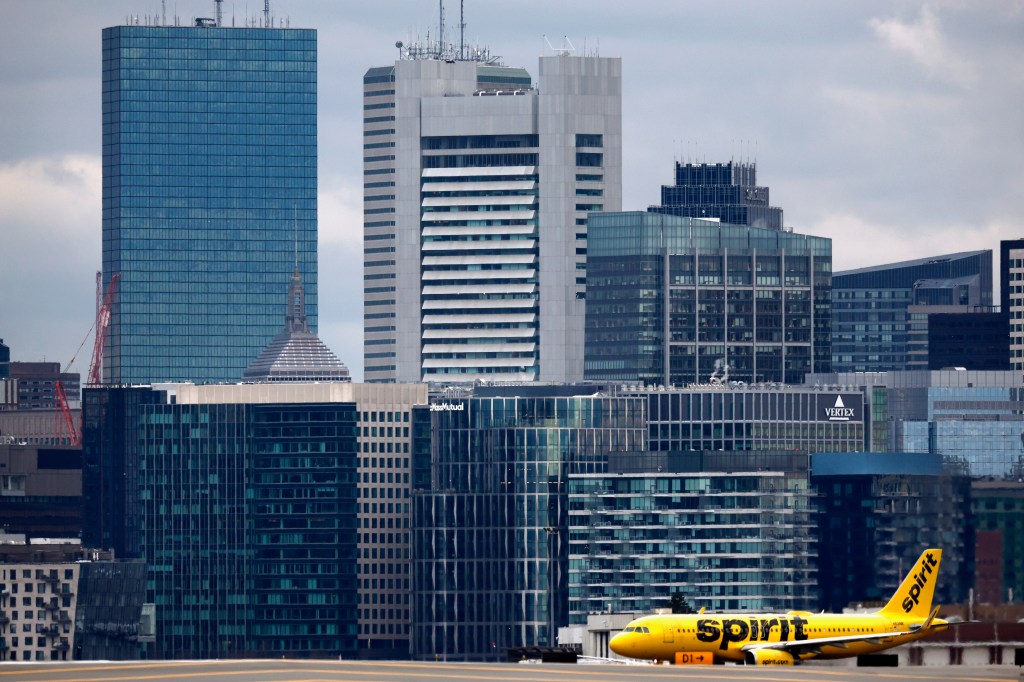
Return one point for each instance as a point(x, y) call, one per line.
point(660, 637)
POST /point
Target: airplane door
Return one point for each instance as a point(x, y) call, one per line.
point(668, 635)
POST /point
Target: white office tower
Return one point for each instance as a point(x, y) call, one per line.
point(477, 187)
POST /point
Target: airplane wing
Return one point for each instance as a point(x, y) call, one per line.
point(814, 646)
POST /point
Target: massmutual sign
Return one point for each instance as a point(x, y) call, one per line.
point(840, 407)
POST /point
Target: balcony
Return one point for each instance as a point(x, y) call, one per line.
point(48, 630)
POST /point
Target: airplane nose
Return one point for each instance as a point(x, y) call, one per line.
point(618, 644)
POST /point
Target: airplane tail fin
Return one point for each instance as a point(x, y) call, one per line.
point(914, 595)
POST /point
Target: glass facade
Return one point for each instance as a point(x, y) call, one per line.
point(209, 195)
point(730, 531)
point(110, 606)
point(490, 510)
point(738, 418)
point(970, 416)
point(998, 517)
point(979, 426)
point(871, 324)
point(973, 340)
point(671, 300)
point(245, 515)
point(877, 511)
point(727, 191)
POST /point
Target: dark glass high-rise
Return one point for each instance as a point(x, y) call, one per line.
point(209, 194)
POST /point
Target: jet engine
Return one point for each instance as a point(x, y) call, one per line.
point(768, 657)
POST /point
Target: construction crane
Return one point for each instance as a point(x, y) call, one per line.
point(102, 324)
point(66, 425)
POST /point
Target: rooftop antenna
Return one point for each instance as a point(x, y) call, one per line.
point(562, 51)
point(266, 13)
point(440, 36)
point(217, 4)
point(163, 12)
point(462, 29)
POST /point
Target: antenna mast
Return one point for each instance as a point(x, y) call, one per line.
point(440, 37)
point(462, 29)
point(266, 13)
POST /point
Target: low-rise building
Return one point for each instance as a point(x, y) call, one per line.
point(40, 489)
point(60, 602)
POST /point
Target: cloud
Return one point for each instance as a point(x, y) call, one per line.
point(859, 243)
point(340, 215)
point(340, 290)
point(924, 42)
point(54, 194)
point(49, 216)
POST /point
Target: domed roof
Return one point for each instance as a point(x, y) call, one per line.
point(296, 354)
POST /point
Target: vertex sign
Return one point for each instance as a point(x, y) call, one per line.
point(839, 412)
point(845, 407)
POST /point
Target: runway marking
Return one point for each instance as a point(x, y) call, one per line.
point(85, 665)
point(347, 671)
point(359, 675)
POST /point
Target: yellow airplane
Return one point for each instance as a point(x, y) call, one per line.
point(767, 639)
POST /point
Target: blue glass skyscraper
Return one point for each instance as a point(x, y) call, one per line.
point(209, 195)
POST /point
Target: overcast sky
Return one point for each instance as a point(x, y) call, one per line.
point(895, 128)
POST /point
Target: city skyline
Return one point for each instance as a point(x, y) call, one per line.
point(889, 128)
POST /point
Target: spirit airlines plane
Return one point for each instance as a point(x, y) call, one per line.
point(791, 638)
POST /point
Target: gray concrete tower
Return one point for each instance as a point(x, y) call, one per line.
point(477, 187)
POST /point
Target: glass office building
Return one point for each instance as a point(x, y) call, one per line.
point(245, 514)
point(973, 417)
point(209, 195)
point(872, 326)
point(675, 301)
point(877, 511)
point(745, 418)
point(490, 514)
point(726, 191)
point(274, 518)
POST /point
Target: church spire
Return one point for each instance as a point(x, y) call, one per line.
point(295, 318)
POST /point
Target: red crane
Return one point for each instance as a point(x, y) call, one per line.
point(65, 422)
point(102, 324)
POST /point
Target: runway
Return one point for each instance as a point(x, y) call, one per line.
point(380, 671)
